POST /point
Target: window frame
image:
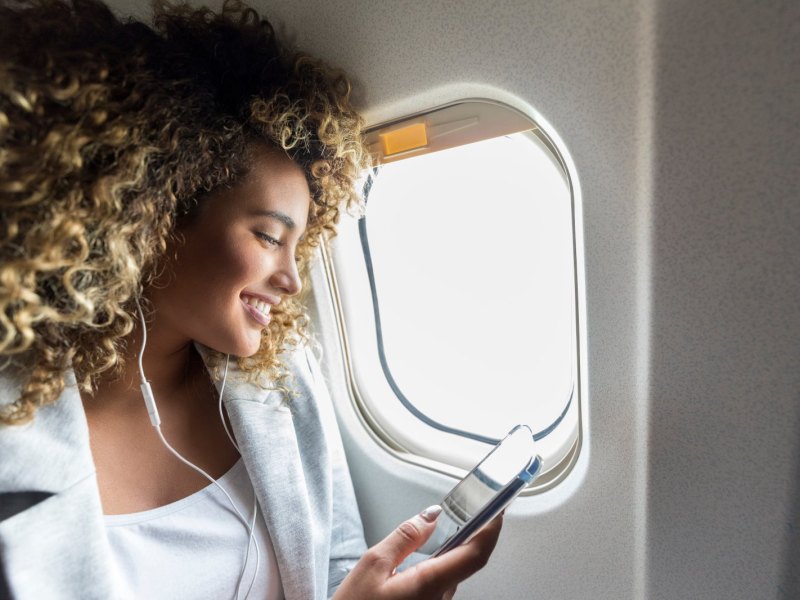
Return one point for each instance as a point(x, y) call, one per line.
point(391, 442)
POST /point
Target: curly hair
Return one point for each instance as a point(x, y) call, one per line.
point(111, 131)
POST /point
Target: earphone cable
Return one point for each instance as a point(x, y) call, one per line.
point(251, 539)
point(152, 410)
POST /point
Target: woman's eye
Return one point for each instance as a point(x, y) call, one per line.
point(268, 238)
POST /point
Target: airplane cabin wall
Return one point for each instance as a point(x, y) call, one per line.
point(723, 511)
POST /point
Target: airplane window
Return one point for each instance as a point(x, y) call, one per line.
point(469, 254)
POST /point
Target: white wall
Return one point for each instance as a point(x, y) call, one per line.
point(724, 393)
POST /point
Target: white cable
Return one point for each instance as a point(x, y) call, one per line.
point(147, 392)
point(252, 538)
point(255, 543)
point(219, 404)
point(203, 473)
point(247, 554)
point(152, 410)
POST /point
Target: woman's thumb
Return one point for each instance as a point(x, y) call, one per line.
point(409, 536)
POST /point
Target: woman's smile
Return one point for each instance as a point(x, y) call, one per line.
point(258, 308)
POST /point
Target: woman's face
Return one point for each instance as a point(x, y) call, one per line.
point(238, 259)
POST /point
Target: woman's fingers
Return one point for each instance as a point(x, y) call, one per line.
point(408, 536)
point(433, 577)
point(463, 561)
point(373, 578)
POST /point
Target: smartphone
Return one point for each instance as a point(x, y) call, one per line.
point(486, 490)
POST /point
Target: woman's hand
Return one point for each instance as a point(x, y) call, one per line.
point(373, 577)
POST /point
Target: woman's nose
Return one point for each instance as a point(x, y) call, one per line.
point(286, 278)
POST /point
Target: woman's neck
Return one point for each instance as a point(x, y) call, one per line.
point(171, 364)
point(135, 471)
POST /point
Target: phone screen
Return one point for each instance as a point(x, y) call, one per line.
point(486, 490)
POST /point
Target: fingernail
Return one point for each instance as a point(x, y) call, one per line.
point(430, 513)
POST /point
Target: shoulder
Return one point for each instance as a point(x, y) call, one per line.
point(302, 383)
point(51, 453)
point(10, 384)
point(309, 394)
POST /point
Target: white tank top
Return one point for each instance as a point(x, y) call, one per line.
point(194, 548)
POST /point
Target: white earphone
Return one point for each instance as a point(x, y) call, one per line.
point(155, 419)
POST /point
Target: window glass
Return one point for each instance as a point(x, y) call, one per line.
point(472, 257)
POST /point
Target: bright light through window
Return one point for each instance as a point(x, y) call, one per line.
point(472, 250)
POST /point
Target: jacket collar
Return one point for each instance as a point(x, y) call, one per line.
point(264, 428)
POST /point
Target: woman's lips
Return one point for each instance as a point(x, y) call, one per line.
point(256, 314)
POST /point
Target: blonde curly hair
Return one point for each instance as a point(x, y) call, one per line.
point(111, 132)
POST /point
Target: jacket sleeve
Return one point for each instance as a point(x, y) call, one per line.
point(347, 535)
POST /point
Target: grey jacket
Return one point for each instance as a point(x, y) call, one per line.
point(52, 538)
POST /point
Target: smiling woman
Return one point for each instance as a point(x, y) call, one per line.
point(115, 131)
point(162, 189)
point(238, 253)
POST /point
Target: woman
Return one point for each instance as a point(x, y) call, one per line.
point(162, 190)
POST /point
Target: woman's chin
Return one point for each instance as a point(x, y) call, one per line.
point(239, 348)
point(243, 351)
point(249, 348)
